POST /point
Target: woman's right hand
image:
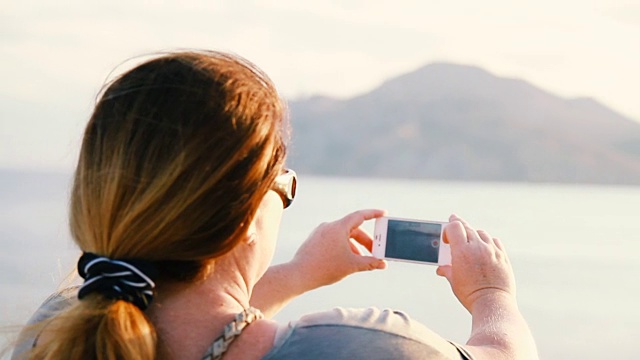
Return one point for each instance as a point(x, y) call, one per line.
point(479, 264)
point(482, 279)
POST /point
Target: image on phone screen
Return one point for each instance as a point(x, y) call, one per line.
point(415, 241)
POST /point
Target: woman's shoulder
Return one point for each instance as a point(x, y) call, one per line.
point(374, 319)
point(56, 302)
point(369, 333)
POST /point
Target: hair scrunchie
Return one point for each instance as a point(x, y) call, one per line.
point(130, 280)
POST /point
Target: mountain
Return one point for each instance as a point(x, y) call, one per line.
point(455, 122)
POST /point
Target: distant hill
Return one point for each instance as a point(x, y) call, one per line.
point(454, 122)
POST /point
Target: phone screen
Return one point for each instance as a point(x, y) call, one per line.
point(412, 240)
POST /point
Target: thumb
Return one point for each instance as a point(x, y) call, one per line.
point(366, 263)
point(444, 270)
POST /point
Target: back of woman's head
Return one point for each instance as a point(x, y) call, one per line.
point(175, 161)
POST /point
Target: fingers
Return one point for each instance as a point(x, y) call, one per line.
point(354, 248)
point(362, 238)
point(356, 218)
point(454, 217)
point(484, 236)
point(365, 262)
point(455, 233)
point(471, 234)
point(370, 263)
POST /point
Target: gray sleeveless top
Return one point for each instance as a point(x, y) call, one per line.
point(361, 334)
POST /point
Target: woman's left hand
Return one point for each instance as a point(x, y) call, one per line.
point(330, 253)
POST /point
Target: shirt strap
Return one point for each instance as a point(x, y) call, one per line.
point(231, 332)
point(464, 354)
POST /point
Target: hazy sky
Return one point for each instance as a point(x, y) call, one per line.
point(55, 55)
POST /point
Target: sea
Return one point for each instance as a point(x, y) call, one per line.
point(575, 250)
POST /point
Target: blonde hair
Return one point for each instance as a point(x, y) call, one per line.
point(175, 161)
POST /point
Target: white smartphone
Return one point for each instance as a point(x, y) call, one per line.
point(417, 241)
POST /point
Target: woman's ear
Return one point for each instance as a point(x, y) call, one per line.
point(251, 238)
point(251, 233)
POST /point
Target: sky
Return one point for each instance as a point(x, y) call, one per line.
point(55, 55)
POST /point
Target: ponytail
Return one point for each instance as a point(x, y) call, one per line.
point(100, 329)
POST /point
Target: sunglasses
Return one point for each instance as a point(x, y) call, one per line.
point(285, 185)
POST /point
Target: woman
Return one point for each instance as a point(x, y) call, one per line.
point(176, 205)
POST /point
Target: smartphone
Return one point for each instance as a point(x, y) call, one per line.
point(416, 241)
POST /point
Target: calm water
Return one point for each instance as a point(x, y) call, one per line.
point(575, 251)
